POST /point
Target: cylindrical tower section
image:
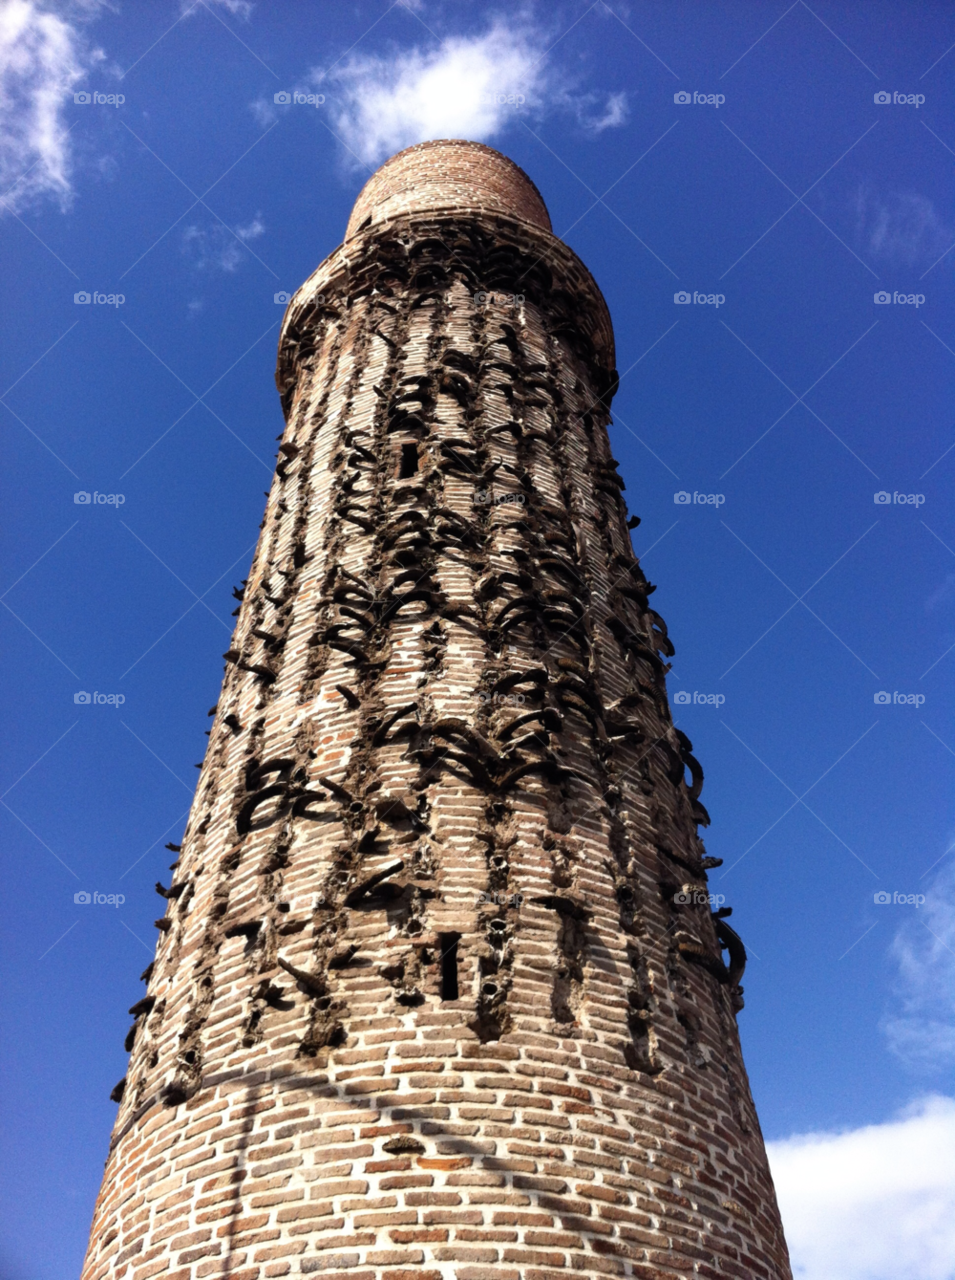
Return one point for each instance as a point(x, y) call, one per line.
point(458, 176)
point(438, 992)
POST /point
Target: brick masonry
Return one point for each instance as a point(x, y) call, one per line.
point(463, 176)
point(437, 993)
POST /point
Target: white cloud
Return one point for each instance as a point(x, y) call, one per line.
point(876, 1203)
point(264, 112)
point(237, 8)
point(253, 230)
point(922, 1028)
point(216, 246)
point(901, 228)
point(469, 87)
point(466, 87)
point(615, 113)
point(42, 58)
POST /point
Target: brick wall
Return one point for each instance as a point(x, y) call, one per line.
point(437, 992)
point(459, 175)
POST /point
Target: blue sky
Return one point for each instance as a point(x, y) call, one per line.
point(786, 193)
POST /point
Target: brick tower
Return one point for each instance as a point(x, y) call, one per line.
point(438, 994)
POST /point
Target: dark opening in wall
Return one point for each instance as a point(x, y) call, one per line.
point(409, 461)
point(449, 965)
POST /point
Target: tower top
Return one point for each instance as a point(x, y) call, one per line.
point(448, 174)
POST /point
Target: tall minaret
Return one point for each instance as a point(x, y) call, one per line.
point(438, 994)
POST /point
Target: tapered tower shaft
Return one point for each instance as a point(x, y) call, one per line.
point(438, 992)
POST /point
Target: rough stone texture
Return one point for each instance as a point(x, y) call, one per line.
point(437, 993)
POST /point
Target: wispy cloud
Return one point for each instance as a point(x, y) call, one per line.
point(216, 246)
point(876, 1203)
point(43, 56)
point(922, 1030)
point(616, 112)
point(942, 594)
point(901, 228)
point(464, 87)
point(237, 8)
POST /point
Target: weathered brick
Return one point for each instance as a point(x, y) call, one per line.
point(445, 664)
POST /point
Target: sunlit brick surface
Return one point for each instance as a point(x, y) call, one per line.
point(437, 991)
point(458, 175)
